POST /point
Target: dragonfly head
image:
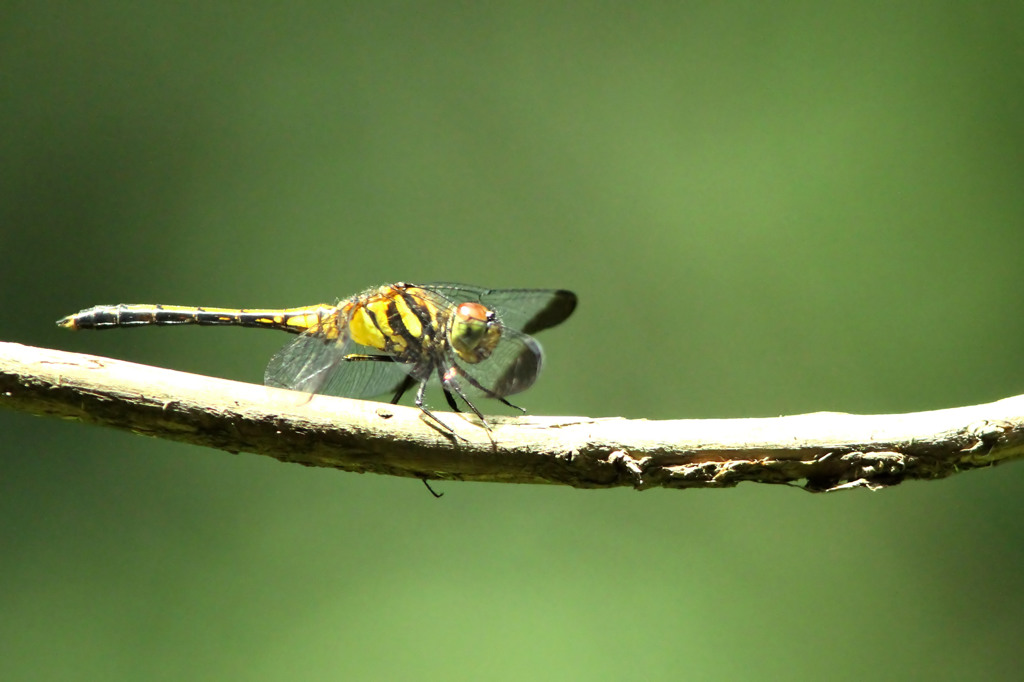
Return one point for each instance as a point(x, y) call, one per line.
point(475, 332)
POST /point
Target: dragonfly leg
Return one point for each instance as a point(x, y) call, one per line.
point(489, 393)
point(450, 384)
point(426, 411)
point(406, 384)
point(451, 400)
point(435, 494)
point(514, 407)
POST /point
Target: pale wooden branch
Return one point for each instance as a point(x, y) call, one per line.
point(819, 452)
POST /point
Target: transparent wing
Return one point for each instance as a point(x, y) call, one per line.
point(512, 367)
point(365, 378)
point(525, 310)
point(312, 363)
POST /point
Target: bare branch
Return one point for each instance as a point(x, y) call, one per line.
point(820, 451)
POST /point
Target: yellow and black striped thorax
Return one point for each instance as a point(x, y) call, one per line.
point(400, 319)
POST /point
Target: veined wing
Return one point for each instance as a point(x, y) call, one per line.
point(525, 310)
point(512, 367)
point(314, 364)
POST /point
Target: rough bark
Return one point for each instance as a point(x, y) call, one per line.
point(823, 451)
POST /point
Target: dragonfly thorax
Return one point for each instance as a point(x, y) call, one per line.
point(474, 333)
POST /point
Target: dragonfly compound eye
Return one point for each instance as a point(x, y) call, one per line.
point(475, 332)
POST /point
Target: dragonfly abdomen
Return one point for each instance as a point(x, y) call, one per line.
point(295, 320)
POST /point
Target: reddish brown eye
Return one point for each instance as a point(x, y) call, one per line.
point(474, 332)
point(472, 312)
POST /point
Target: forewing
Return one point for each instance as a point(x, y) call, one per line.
point(525, 310)
point(512, 367)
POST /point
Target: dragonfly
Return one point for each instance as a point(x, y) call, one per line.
point(472, 340)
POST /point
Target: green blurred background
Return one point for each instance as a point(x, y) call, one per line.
point(765, 208)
